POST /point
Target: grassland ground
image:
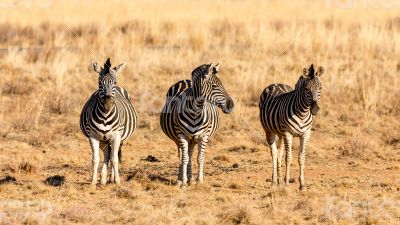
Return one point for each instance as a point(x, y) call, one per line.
point(352, 163)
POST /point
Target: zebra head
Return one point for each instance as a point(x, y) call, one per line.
point(107, 82)
point(210, 88)
point(312, 85)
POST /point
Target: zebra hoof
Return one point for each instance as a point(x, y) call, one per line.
point(103, 182)
point(178, 183)
point(184, 186)
point(192, 182)
point(302, 188)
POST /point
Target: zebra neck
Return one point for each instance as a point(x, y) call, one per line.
point(194, 103)
point(302, 103)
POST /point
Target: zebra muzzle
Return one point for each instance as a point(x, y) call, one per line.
point(314, 108)
point(228, 106)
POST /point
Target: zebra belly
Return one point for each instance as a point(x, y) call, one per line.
point(298, 127)
point(294, 126)
point(108, 136)
point(197, 131)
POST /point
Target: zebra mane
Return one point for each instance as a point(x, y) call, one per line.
point(301, 83)
point(106, 68)
point(200, 71)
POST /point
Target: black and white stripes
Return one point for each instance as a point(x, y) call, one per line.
point(287, 113)
point(107, 119)
point(190, 116)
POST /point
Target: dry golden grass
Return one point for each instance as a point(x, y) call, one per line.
point(352, 169)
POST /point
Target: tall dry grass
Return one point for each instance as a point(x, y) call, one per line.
point(45, 50)
point(45, 58)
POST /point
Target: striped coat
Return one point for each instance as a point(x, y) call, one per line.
point(190, 116)
point(286, 113)
point(107, 119)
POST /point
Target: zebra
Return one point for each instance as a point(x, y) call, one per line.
point(286, 113)
point(190, 116)
point(107, 119)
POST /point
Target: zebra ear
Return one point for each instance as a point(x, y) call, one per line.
point(305, 73)
point(215, 68)
point(311, 72)
point(95, 67)
point(320, 71)
point(119, 68)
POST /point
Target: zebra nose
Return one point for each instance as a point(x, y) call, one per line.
point(229, 105)
point(314, 108)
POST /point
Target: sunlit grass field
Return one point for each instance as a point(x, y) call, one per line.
point(352, 167)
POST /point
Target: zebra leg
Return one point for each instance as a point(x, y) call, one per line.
point(288, 146)
point(200, 159)
point(302, 156)
point(106, 154)
point(280, 157)
point(179, 181)
point(95, 159)
point(190, 165)
point(271, 140)
point(183, 145)
point(112, 175)
point(115, 143)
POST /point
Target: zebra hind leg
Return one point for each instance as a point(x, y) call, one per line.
point(190, 165)
point(288, 147)
point(271, 141)
point(280, 157)
point(179, 180)
point(106, 153)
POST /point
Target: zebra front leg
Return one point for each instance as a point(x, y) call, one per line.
point(112, 175)
point(106, 153)
point(179, 181)
point(288, 147)
point(95, 159)
point(302, 157)
point(271, 140)
point(200, 159)
point(280, 157)
point(115, 143)
point(190, 165)
point(183, 145)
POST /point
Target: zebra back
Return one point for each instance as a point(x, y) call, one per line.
point(178, 88)
point(272, 91)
